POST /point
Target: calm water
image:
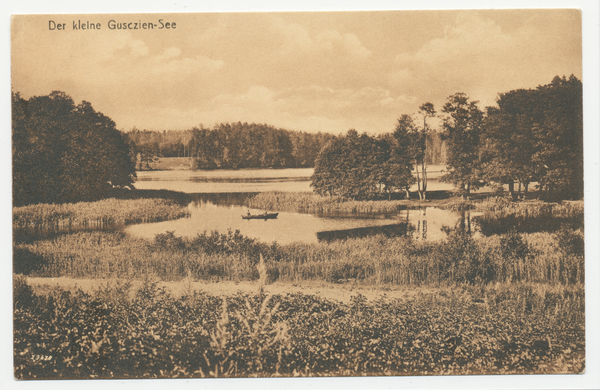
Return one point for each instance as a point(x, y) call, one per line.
point(227, 181)
point(422, 224)
point(219, 205)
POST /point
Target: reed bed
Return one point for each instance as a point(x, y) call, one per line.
point(502, 215)
point(98, 214)
point(555, 258)
point(531, 209)
point(308, 202)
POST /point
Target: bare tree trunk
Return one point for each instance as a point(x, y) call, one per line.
point(418, 179)
point(467, 191)
point(424, 166)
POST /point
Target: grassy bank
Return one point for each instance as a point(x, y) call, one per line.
point(556, 258)
point(117, 333)
point(98, 214)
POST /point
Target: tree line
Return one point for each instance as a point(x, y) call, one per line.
point(68, 152)
point(231, 146)
point(532, 136)
point(63, 152)
point(243, 145)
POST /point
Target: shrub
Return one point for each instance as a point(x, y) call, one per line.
point(463, 261)
point(515, 253)
point(22, 292)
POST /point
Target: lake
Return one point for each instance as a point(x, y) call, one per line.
point(218, 204)
point(227, 181)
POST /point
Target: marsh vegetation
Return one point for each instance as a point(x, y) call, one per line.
point(120, 332)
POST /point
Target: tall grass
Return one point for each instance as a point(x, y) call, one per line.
point(555, 258)
point(308, 202)
point(95, 214)
point(531, 209)
point(502, 215)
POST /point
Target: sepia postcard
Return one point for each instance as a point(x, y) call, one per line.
point(395, 195)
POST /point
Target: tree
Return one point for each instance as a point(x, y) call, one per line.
point(243, 145)
point(352, 166)
point(537, 135)
point(558, 131)
point(63, 152)
point(427, 110)
point(403, 154)
point(509, 142)
point(462, 130)
point(434, 148)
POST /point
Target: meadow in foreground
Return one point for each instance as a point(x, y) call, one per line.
point(147, 333)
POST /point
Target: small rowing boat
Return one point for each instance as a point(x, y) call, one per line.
point(261, 216)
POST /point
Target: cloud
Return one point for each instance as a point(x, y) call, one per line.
point(333, 42)
point(313, 108)
point(169, 63)
point(271, 50)
point(169, 53)
point(296, 41)
point(477, 57)
point(398, 101)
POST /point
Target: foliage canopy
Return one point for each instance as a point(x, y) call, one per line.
point(64, 152)
point(361, 167)
point(537, 135)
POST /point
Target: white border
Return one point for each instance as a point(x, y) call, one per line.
point(591, 72)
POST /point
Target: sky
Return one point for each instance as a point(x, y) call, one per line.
point(306, 71)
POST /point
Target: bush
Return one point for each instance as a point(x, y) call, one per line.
point(463, 261)
point(27, 262)
point(460, 258)
point(515, 253)
point(22, 292)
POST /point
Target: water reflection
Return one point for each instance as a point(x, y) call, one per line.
point(396, 230)
point(430, 223)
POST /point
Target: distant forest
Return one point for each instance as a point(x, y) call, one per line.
point(243, 145)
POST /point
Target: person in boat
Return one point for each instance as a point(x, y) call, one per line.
point(249, 213)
